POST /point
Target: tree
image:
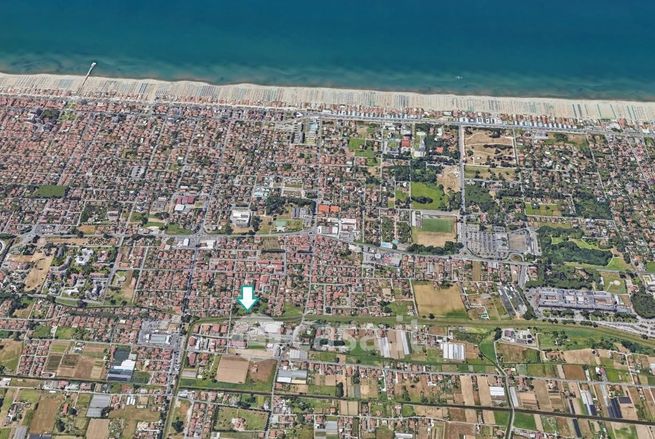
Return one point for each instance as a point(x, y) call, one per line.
point(178, 425)
point(339, 390)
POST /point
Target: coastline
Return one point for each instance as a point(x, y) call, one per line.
point(151, 90)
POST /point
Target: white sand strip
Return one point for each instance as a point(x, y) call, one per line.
point(302, 97)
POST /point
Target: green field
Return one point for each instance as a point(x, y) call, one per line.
point(174, 229)
point(613, 283)
point(437, 225)
point(401, 195)
point(650, 266)
point(65, 332)
point(585, 244)
point(42, 331)
point(362, 148)
point(432, 191)
point(626, 433)
point(355, 143)
point(543, 210)
point(616, 263)
point(50, 191)
point(525, 421)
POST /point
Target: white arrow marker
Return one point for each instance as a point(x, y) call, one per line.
point(248, 299)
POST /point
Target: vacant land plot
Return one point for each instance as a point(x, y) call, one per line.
point(98, 428)
point(52, 363)
point(435, 231)
point(543, 209)
point(262, 371)
point(46, 413)
point(511, 353)
point(126, 282)
point(449, 178)
point(486, 147)
point(489, 173)
point(81, 366)
point(428, 196)
point(250, 420)
point(581, 356)
point(613, 283)
point(574, 372)
point(131, 416)
point(232, 370)
point(36, 276)
point(10, 351)
point(50, 191)
point(438, 301)
point(348, 408)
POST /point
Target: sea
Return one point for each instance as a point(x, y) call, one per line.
point(550, 48)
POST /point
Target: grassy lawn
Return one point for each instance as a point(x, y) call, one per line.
point(65, 332)
point(525, 420)
point(361, 148)
point(575, 338)
point(365, 356)
point(255, 420)
point(613, 283)
point(432, 191)
point(650, 266)
point(329, 357)
point(488, 349)
point(439, 225)
point(543, 210)
point(29, 395)
point(291, 311)
point(174, 229)
point(618, 263)
point(402, 196)
point(626, 433)
point(10, 351)
point(50, 191)
point(585, 244)
point(355, 142)
point(502, 418)
point(42, 331)
point(401, 308)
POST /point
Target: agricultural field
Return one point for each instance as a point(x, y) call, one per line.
point(84, 363)
point(45, 414)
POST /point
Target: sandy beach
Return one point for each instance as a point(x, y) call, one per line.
point(150, 90)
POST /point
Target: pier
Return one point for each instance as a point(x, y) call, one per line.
point(91, 67)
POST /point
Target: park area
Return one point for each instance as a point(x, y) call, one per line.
point(428, 196)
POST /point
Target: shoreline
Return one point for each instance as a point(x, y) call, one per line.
point(152, 90)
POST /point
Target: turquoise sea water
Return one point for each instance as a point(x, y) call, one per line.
point(581, 48)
